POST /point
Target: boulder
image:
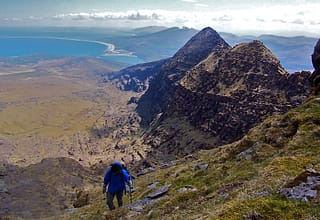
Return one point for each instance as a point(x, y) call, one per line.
point(139, 205)
point(202, 166)
point(304, 187)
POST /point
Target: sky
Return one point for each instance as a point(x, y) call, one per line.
point(254, 17)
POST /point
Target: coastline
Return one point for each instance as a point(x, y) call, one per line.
point(109, 51)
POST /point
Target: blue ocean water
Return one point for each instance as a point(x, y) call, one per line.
point(26, 46)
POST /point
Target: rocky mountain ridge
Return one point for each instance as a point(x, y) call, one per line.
point(223, 96)
point(156, 99)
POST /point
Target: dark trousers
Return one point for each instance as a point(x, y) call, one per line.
point(110, 197)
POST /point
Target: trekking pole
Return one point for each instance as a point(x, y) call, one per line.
point(130, 196)
point(130, 184)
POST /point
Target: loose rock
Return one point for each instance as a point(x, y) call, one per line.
point(202, 166)
point(159, 192)
point(152, 185)
point(146, 170)
point(187, 189)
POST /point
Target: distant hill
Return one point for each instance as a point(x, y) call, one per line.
point(156, 45)
point(148, 30)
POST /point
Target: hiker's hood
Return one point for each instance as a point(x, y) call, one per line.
point(118, 163)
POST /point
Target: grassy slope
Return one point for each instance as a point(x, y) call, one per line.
point(46, 112)
point(233, 187)
point(45, 105)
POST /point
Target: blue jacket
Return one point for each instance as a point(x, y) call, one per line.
point(116, 182)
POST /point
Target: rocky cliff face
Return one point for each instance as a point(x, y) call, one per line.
point(224, 96)
point(163, 85)
point(315, 77)
point(135, 78)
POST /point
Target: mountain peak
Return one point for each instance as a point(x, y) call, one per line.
point(257, 54)
point(162, 86)
point(207, 30)
point(198, 48)
point(242, 60)
point(253, 45)
point(205, 40)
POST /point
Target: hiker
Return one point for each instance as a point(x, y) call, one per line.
point(116, 178)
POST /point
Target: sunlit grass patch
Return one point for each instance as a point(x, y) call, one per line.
point(52, 118)
point(267, 208)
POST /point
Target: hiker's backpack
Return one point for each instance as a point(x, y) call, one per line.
point(116, 166)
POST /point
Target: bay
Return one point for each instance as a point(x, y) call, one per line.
point(28, 46)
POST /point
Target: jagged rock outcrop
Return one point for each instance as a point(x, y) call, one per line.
point(135, 78)
point(304, 187)
point(245, 87)
point(315, 77)
point(163, 85)
point(225, 96)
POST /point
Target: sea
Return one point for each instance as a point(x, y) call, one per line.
point(62, 46)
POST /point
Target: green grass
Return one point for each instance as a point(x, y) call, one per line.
point(268, 208)
point(48, 119)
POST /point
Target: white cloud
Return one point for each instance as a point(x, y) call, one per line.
point(13, 19)
point(224, 18)
point(35, 18)
point(298, 21)
point(294, 19)
point(201, 5)
point(189, 1)
point(98, 16)
point(258, 20)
